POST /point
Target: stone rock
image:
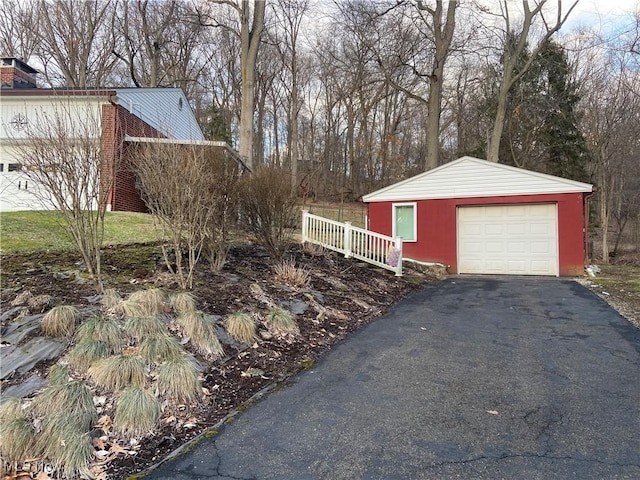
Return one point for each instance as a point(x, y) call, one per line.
point(11, 314)
point(24, 389)
point(295, 306)
point(23, 358)
point(14, 332)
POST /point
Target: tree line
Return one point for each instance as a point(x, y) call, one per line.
point(350, 96)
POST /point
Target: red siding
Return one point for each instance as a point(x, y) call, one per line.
point(437, 236)
point(117, 122)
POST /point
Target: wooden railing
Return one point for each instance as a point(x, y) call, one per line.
point(370, 247)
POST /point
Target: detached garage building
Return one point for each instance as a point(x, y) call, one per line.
point(481, 217)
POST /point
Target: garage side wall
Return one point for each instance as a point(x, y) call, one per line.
point(437, 225)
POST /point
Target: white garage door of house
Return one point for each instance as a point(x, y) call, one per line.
point(508, 239)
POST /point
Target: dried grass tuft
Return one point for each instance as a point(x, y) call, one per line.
point(137, 412)
point(87, 352)
point(102, 329)
point(202, 333)
point(140, 327)
point(65, 445)
point(313, 249)
point(60, 321)
point(241, 327)
point(59, 374)
point(282, 321)
point(118, 372)
point(160, 347)
point(179, 379)
point(183, 302)
point(11, 409)
point(110, 298)
point(287, 272)
point(74, 400)
point(152, 301)
point(17, 438)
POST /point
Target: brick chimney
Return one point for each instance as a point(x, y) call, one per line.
point(15, 73)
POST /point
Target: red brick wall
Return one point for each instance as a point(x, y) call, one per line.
point(117, 123)
point(12, 77)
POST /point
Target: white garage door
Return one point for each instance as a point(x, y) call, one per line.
point(508, 239)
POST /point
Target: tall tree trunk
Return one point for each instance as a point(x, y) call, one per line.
point(249, 43)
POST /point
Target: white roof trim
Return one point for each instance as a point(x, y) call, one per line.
point(473, 177)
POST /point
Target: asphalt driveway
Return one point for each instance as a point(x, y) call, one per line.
point(472, 378)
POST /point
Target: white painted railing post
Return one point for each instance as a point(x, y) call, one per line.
point(305, 226)
point(347, 239)
point(399, 249)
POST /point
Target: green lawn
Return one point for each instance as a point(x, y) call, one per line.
point(23, 232)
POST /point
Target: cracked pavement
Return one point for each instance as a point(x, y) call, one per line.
point(470, 378)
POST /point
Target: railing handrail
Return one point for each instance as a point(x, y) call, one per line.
point(376, 249)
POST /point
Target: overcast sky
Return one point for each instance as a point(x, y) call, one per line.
point(602, 14)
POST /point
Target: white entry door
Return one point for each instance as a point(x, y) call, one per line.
point(508, 239)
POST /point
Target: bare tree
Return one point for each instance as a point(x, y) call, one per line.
point(76, 41)
point(61, 154)
point(18, 28)
point(515, 40)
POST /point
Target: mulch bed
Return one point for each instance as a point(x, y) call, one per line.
point(342, 296)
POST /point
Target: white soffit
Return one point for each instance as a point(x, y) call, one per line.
point(472, 177)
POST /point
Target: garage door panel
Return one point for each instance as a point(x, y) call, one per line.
point(508, 239)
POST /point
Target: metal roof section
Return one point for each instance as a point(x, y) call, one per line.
point(165, 109)
point(473, 177)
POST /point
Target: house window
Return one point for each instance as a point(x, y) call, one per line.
point(1, 167)
point(405, 223)
point(15, 167)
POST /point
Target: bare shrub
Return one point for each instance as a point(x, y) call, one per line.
point(118, 372)
point(60, 321)
point(241, 326)
point(287, 272)
point(61, 152)
point(191, 192)
point(179, 379)
point(269, 209)
point(182, 302)
point(137, 412)
point(281, 321)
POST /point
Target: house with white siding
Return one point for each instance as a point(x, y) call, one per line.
point(121, 116)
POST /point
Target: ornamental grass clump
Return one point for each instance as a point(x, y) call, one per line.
point(63, 444)
point(137, 412)
point(241, 327)
point(152, 301)
point(17, 438)
point(87, 352)
point(183, 302)
point(140, 327)
point(110, 298)
point(73, 400)
point(287, 272)
point(281, 321)
point(59, 374)
point(11, 409)
point(102, 329)
point(179, 379)
point(159, 347)
point(202, 333)
point(60, 321)
point(118, 372)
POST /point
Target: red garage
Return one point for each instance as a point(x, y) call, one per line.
point(481, 217)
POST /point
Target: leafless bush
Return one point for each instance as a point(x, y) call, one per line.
point(269, 208)
point(287, 272)
point(191, 191)
point(61, 153)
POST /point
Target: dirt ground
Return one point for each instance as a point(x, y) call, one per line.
point(342, 295)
